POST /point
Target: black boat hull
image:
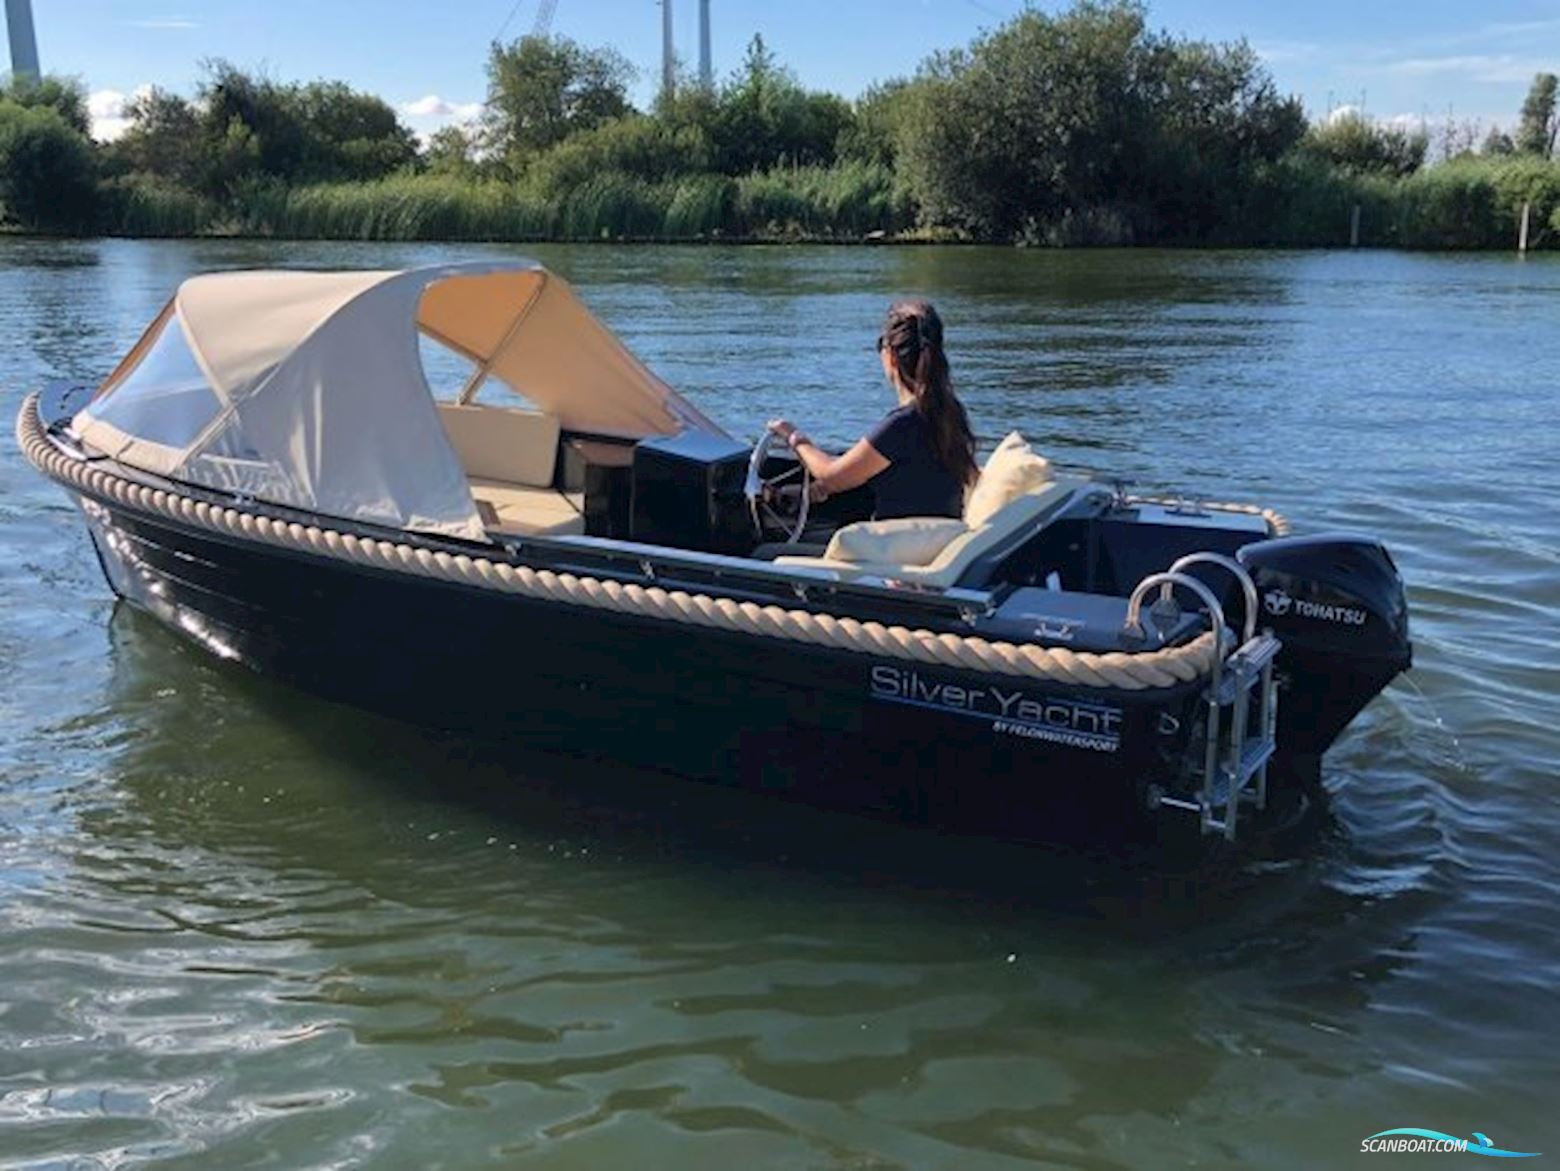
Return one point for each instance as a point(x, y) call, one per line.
point(839, 729)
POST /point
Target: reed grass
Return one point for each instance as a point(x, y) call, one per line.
point(1472, 203)
point(841, 202)
point(140, 206)
point(427, 207)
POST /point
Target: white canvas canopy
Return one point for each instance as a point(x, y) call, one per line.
point(306, 389)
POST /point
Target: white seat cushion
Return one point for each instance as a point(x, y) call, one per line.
point(530, 512)
point(911, 540)
point(1017, 518)
point(1011, 471)
point(501, 443)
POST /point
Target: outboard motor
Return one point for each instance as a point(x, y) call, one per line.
point(1337, 602)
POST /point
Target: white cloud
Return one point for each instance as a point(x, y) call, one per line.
point(431, 107)
point(431, 113)
point(1497, 68)
point(1425, 121)
point(162, 22)
point(1519, 28)
point(106, 108)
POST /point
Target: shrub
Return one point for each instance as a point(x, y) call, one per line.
point(48, 176)
point(644, 148)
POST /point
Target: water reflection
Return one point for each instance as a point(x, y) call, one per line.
point(240, 925)
point(552, 988)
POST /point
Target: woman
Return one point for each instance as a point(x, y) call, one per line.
point(921, 457)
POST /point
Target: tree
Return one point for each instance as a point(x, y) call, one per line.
point(451, 150)
point(873, 131)
point(639, 146)
point(163, 138)
point(1537, 128)
point(1352, 142)
point(247, 130)
point(1497, 142)
point(48, 176)
point(64, 95)
point(348, 135)
point(764, 118)
point(543, 89)
point(256, 129)
point(1051, 123)
point(1213, 119)
point(1457, 138)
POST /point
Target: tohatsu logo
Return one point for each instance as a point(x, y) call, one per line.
point(1011, 712)
point(1280, 604)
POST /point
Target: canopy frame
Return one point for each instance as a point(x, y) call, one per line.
point(324, 404)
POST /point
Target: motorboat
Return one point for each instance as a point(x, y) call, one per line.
point(559, 550)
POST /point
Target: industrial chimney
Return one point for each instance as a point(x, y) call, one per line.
point(24, 43)
point(668, 53)
point(706, 70)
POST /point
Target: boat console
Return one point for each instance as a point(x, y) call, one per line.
point(687, 493)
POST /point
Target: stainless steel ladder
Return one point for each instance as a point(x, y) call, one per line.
point(1237, 749)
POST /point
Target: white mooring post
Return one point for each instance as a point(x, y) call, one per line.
point(1522, 232)
point(1354, 227)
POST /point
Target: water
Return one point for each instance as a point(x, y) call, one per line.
point(239, 927)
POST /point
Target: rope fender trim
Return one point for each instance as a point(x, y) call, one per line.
point(1165, 667)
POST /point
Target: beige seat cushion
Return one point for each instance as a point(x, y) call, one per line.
point(1011, 471)
point(911, 540)
point(502, 443)
point(1028, 512)
point(529, 512)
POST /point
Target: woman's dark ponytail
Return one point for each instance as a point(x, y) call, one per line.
point(914, 333)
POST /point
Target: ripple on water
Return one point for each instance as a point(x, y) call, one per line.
point(238, 926)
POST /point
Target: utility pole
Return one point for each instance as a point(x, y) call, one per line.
point(706, 70)
point(24, 42)
point(541, 27)
point(668, 53)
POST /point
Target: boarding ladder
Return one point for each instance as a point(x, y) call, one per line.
point(1241, 700)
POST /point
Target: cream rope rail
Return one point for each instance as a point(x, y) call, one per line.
point(1278, 524)
point(1128, 672)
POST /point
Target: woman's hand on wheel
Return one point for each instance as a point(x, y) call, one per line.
point(783, 429)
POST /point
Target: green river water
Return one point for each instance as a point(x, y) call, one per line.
point(239, 928)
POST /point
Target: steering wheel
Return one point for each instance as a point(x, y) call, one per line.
point(771, 509)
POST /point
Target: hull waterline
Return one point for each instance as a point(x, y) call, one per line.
point(888, 739)
point(897, 704)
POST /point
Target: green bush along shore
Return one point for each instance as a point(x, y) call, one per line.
point(1082, 128)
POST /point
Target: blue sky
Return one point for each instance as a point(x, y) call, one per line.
point(1403, 60)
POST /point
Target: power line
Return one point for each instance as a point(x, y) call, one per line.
point(987, 9)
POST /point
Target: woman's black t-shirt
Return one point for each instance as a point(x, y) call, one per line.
point(915, 483)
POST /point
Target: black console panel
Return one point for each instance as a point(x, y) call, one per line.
point(688, 493)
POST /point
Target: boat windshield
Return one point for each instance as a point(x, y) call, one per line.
point(163, 398)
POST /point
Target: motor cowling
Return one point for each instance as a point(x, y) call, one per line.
point(1336, 600)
